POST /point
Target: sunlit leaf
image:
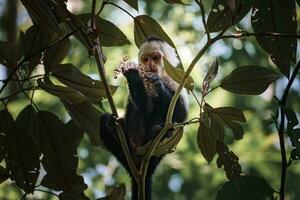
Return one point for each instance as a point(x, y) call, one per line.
point(175, 2)
point(246, 188)
point(41, 13)
point(59, 159)
point(133, 4)
point(69, 75)
point(145, 26)
point(109, 34)
point(250, 80)
point(56, 54)
point(86, 116)
point(267, 17)
point(167, 145)
point(177, 74)
point(6, 127)
point(223, 14)
point(4, 175)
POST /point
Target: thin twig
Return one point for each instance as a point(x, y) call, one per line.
point(32, 56)
point(201, 5)
point(111, 3)
point(102, 7)
point(265, 34)
point(17, 92)
point(282, 105)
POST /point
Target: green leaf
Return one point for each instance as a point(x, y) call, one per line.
point(223, 14)
point(41, 13)
point(177, 75)
point(4, 175)
point(145, 26)
point(246, 188)
point(6, 127)
point(109, 34)
point(56, 54)
point(76, 192)
point(165, 146)
point(7, 54)
point(206, 141)
point(59, 160)
point(22, 159)
point(86, 116)
point(175, 2)
point(210, 76)
point(76, 133)
point(226, 116)
point(291, 117)
point(270, 16)
point(69, 75)
point(229, 161)
point(250, 80)
point(68, 94)
point(133, 4)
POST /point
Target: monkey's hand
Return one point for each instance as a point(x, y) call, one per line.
point(131, 72)
point(156, 81)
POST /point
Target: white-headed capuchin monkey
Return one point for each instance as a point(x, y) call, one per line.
point(146, 111)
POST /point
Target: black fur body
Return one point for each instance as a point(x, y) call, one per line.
point(144, 117)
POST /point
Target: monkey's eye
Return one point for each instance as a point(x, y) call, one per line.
point(156, 58)
point(145, 60)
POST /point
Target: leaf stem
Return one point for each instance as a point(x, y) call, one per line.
point(121, 9)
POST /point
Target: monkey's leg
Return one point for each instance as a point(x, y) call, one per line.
point(110, 139)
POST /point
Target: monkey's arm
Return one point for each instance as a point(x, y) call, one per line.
point(166, 94)
point(137, 91)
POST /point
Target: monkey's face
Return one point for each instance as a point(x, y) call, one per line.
point(153, 61)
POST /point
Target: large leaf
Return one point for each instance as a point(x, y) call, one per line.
point(133, 4)
point(223, 14)
point(206, 141)
point(177, 75)
point(278, 16)
point(175, 2)
point(59, 158)
point(7, 54)
point(226, 116)
point(4, 175)
point(246, 188)
point(76, 192)
point(23, 156)
point(6, 127)
point(109, 34)
point(167, 145)
point(76, 133)
point(86, 116)
point(69, 75)
point(41, 13)
point(68, 94)
point(250, 80)
point(145, 26)
point(56, 54)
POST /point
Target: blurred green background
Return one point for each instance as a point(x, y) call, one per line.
point(184, 174)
